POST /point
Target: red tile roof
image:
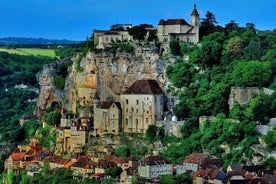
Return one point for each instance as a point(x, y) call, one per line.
point(18, 156)
point(144, 87)
point(200, 173)
point(195, 158)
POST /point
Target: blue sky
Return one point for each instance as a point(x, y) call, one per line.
point(76, 19)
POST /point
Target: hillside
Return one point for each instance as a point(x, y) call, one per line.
point(34, 41)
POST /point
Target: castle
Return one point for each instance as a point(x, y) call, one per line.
point(167, 31)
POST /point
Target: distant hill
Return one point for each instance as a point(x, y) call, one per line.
point(34, 41)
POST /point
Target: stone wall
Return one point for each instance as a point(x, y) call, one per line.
point(243, 95)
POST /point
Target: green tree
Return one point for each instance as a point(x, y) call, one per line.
point(52, 118)
point(123, 151)
point(253, 51)
point(207, 25)
point(270, 163)
point(270, 139)
point(210, 51)
point(151, 133)
point(183, 179)
point(165, 179)
point(235, 47)
point(252, 73)
point(114, 172)
point(175, 47)
point(139, 32)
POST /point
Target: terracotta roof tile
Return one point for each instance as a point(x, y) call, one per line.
point(68, 165)
point(18, 156)
point(195, 158)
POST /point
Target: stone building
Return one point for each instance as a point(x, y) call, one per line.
point(107, 117)
point(142, 105)
point(72, 134)
point(154, 166)
point(118, 32)
point(180, 29)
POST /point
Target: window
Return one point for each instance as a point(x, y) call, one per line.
point(137, 110)
point(126, 101)
point(147, 120)
point(126, 110)
point(137, 102)
point(132, 109)
point(126, 121)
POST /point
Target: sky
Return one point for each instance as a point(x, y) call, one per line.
point(76, 19)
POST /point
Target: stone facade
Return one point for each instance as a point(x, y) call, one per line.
point(154, 166)
point(72, 134)
point(107, 118)
point(103, 38)
point(171, 29)
point(243, 95)
point(140, 105)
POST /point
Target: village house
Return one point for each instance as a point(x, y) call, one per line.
point(107, 117)
point(192, 163)
point(83, 167)
point(73, 134)
point(154, 166)
point(118, 32)
point(25, 157)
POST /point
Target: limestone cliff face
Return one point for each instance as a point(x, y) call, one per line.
point(106, 73)
point(48, 93)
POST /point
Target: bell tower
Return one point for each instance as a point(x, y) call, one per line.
point(194, 16)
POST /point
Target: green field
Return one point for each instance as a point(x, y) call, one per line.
point(30, 51)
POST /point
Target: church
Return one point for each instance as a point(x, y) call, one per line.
point(180, 29)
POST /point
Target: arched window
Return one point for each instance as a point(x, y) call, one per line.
point(147, 120)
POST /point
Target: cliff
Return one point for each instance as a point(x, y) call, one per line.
point(104, 73)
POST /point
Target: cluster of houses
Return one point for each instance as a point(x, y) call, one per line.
point(140, 105)
point(202, 169)
point(167, 31)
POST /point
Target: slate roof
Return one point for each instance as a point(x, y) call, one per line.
point(106, 105)
point(221, 176)
point(195, 12)
point(144, 87)
point(173, 22)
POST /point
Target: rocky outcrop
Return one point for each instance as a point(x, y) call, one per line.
point(243, 95)
point(104, 73)
point(48, 93)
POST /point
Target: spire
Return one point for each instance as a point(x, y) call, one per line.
point(195, 12)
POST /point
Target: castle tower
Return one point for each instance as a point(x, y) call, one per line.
point(194, 16)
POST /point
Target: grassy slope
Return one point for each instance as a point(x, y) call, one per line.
point(31, 51)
